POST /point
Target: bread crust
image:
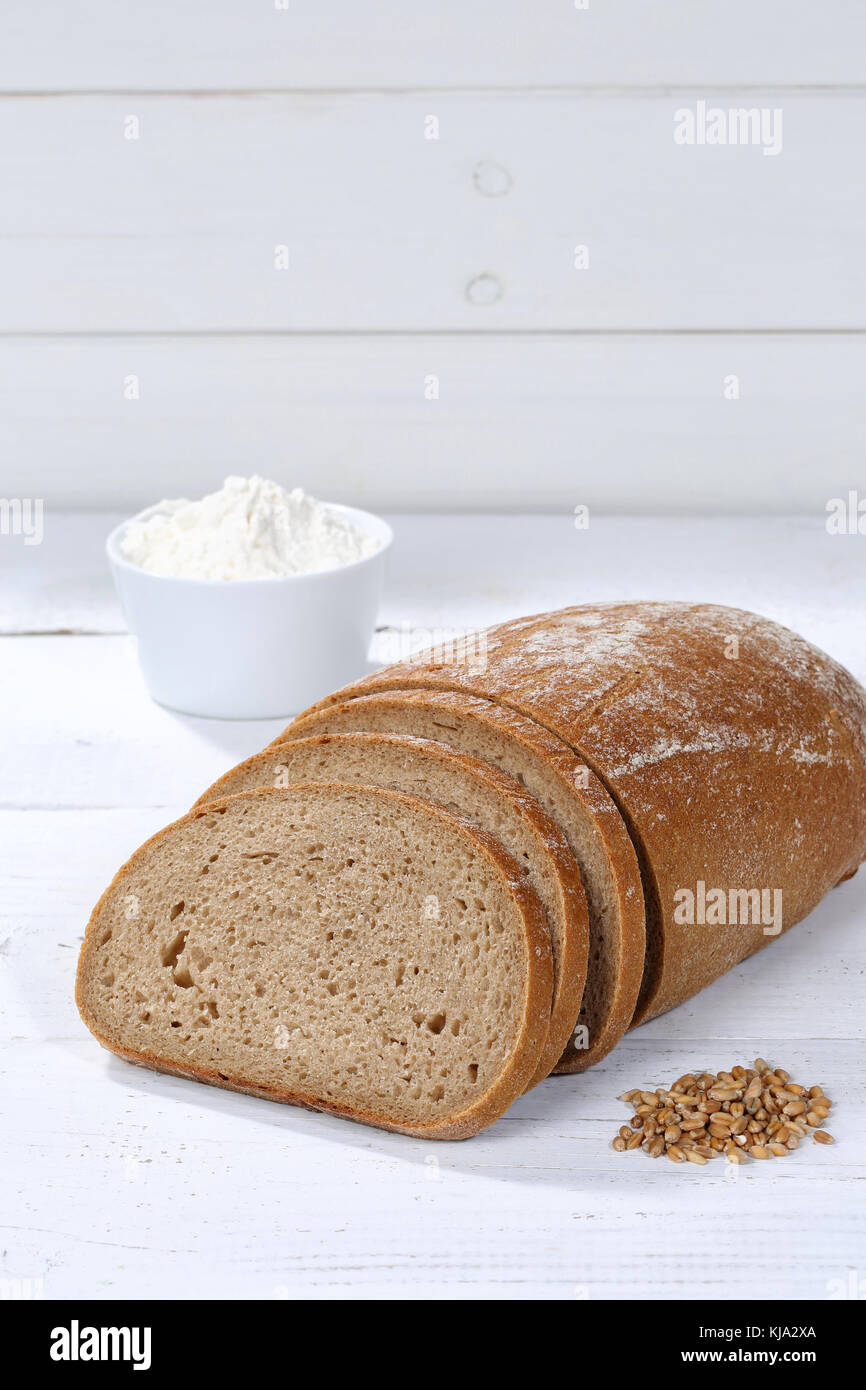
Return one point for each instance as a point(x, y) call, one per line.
point(590, 799)
point(513, 1078)
point(573, 926)
point(735, 751)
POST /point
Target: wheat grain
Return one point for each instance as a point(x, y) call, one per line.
point(754, 1110)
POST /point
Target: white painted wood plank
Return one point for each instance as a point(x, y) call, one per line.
point(113, 1182)
point(620, 423)
point(302, 44)
point(177, 230)
point(476, 570)
point(121, 749)
point(63, 584)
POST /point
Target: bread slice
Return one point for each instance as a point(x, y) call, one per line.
point(470, 788)
point(571, 795)
point(347, 949)
point(734, 749)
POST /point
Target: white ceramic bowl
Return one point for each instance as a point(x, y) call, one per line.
point(252, 648)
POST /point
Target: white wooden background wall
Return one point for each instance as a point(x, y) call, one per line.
point(153, 259)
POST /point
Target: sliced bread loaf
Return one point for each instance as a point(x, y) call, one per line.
point(347, 949)
point(572, 796)
point(467, 787)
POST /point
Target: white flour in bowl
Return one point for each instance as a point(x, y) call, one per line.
point(250, 529)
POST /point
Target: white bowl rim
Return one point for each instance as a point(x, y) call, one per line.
point(373, 524)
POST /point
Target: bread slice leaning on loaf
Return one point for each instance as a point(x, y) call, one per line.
point(284, 946)
point(572, 796)
point(469, 788)
point(735, 751)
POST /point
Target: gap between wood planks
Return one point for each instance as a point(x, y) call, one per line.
point(496, 89)
point(111, 632)
point(58, 335)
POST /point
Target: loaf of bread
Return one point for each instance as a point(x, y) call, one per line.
point(344, 948)
point(734, 750)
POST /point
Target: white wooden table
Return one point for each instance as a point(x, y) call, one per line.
point(120, 1183)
